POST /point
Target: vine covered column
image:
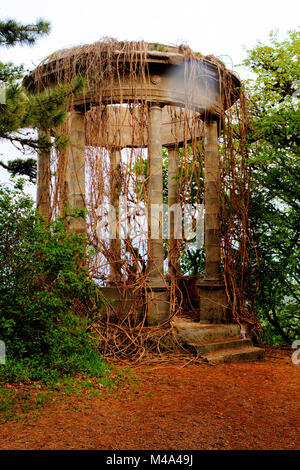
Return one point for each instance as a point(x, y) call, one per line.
point(76, 168)
point(212, 296)
point(173, 255)
point(115, 190)
point(212, 206)
point(157, 295)
point(155, 197)
point(43, 182)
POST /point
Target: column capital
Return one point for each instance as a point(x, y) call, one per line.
point(80, 108)
point(155, 104)
point(211, 120)
point(174, 146)
point(210, 117)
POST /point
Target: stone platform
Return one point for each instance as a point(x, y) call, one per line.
point(216, 343)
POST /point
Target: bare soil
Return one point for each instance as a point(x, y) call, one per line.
point(252, 405)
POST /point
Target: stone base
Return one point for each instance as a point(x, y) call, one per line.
point(158, 305)
point(120, 303)
point(155, 302)
point(212, 301)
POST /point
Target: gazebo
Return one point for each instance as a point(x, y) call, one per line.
point(150, 101)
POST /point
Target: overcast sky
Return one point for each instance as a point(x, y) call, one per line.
point(219, 27)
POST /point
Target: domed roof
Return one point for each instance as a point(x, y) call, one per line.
point(121, 60)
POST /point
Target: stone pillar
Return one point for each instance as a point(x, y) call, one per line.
point(173, 255)
point(212, 205)
point(43, 183)
point(155, 197)
point(212, 297)
point(76, 168)
point(115, 189)
point(158, 305)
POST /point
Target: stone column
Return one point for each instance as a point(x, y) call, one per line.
point(173, 258)
point(155, 197)
point(115, 189)
point(212, 205)
point(76, 168)
point(158, 305)
point(212, 297)
point(43, 182)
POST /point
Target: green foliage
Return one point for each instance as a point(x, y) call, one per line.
point(22, 167)
point(10, 71)
point(12, 32)
point(192, 262)
point(23, 109)
point(274, 141)
point(47, 301)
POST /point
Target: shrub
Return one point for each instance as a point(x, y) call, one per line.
point(47, 301)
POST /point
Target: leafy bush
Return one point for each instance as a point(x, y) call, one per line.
point(47, 301)
point(274, 158)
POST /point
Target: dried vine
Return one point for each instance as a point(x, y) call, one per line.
point(114, 111)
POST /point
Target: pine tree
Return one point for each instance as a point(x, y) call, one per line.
point(21, 110)
point(12, 33)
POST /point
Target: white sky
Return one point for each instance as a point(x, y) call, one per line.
point(219, 27)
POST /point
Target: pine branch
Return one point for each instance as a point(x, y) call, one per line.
point(12, 32)
point(27, 167)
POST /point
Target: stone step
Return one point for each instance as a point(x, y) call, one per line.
point(240, 354)
point(192, 332)
point(218, 344)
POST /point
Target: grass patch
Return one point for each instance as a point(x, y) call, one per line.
point(19, 402)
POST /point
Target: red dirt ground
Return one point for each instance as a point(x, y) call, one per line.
point(198, 406)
